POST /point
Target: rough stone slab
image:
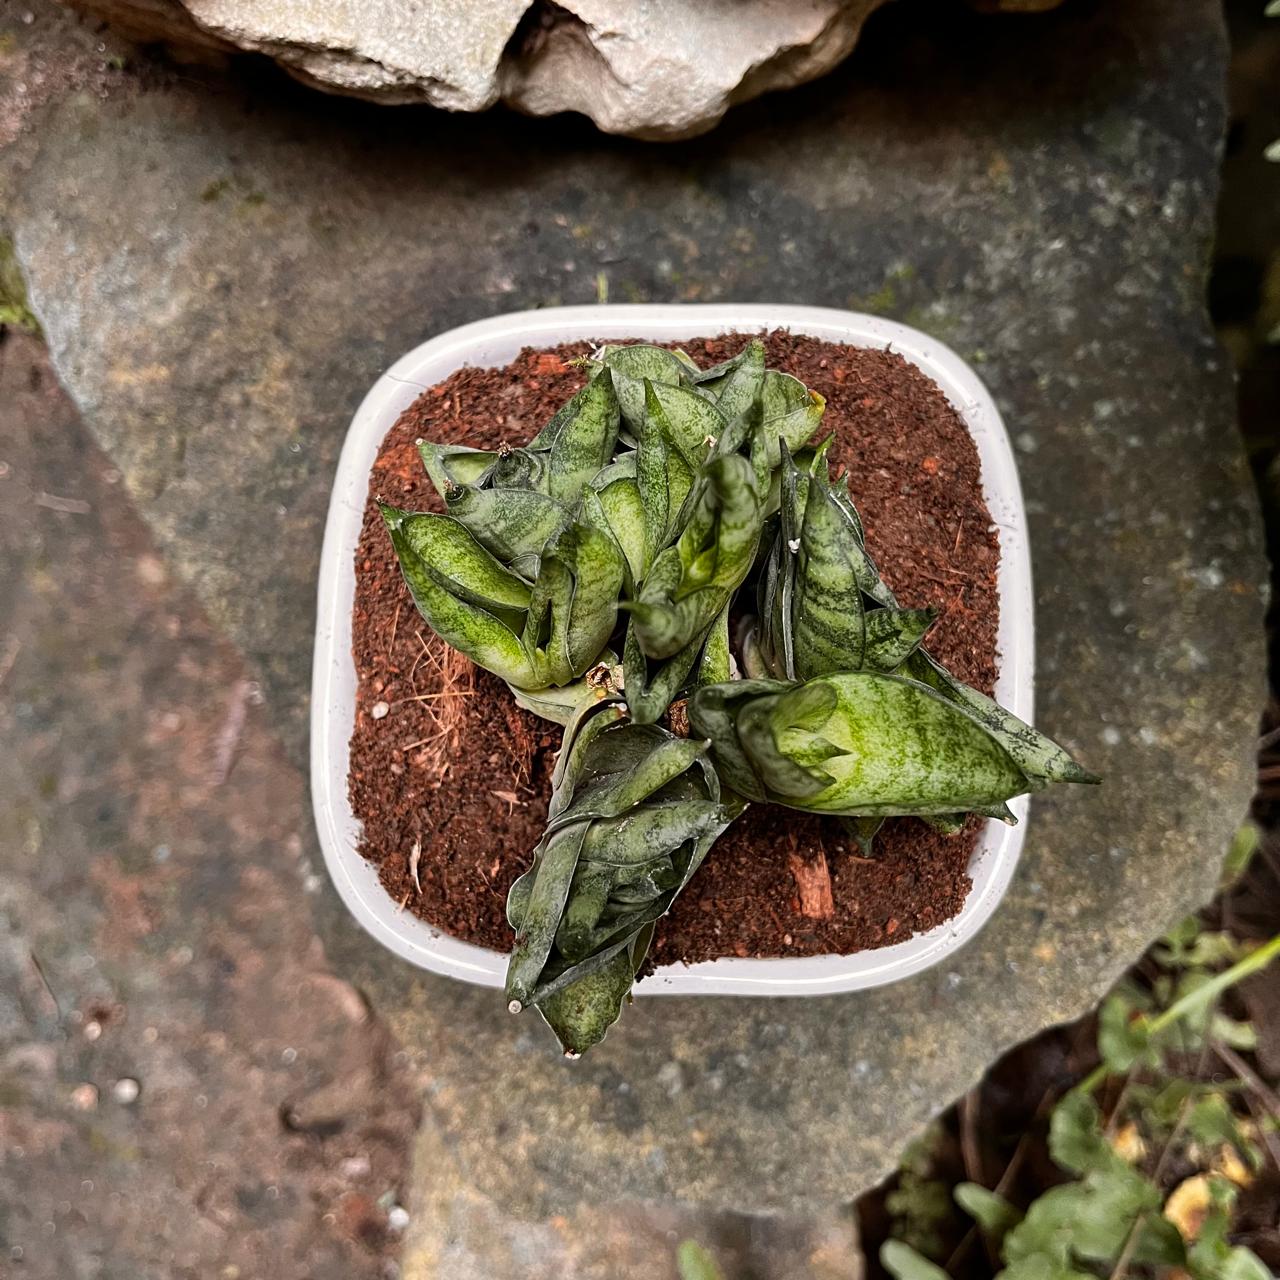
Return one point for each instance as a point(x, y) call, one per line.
point(460, 1232)
point(188, 1088)
point(1043, 203)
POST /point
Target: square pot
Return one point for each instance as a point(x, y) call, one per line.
point(333, 688)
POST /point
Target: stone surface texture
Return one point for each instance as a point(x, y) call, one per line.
point(186, 1086)
point(223, 268)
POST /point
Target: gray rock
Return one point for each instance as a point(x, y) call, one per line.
point(668, 69)
point(458, 1230)
point(664, 69)
point(222, 273)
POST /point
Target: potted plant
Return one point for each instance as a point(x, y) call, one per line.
point(669, 570)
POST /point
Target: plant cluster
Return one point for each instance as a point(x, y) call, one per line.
point(1119, 1211)
point(597, 570)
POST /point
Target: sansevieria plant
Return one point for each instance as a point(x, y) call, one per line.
point(596, 570)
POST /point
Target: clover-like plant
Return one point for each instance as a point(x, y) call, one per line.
point(659, 501)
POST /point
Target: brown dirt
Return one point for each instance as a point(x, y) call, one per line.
point(454, 767)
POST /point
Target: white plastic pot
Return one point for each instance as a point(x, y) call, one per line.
point(497, 342)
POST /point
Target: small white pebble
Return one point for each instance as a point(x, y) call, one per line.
point(379, 710)
point(355, 1167)
point(84, 1097)
point(397, 1219)
point(126, 1090)
point(92, 1030)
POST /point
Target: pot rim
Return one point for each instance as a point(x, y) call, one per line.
point(496, 341)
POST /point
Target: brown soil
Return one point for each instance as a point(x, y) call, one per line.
point(444, 761)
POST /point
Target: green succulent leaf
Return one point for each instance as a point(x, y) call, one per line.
point(634, 811)
point(713, 713)
point(573, 606)
point(543, 899)
point(858, 743)
point(451, 466)
point(893, 635)
point(797, 776)
point(465, 595)
point(715, 663)
point(777, 599)
point(741, 386)
point(873, 586)
point(623, 511)
point(1040, 758)
point(790, 413)
point(582, 437)
point(689, 583)
point(560, 704)
point(691, 422)
point(580, 1013)
point(520, 469)
point(711, 378)
point(651, 687)
point(814, 618)
point(663, 478)
point(864, 832)
point(508, 522)
point(827, 617)
point(634, 365)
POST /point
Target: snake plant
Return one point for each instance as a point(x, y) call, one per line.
point(660, 500)
point(634, 810)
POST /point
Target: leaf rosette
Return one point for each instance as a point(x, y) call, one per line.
point(597, 569)
point(634, 810)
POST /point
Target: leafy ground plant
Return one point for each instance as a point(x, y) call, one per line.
point(1155, 1148)
point(596, 568)
point(1160, 1162)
